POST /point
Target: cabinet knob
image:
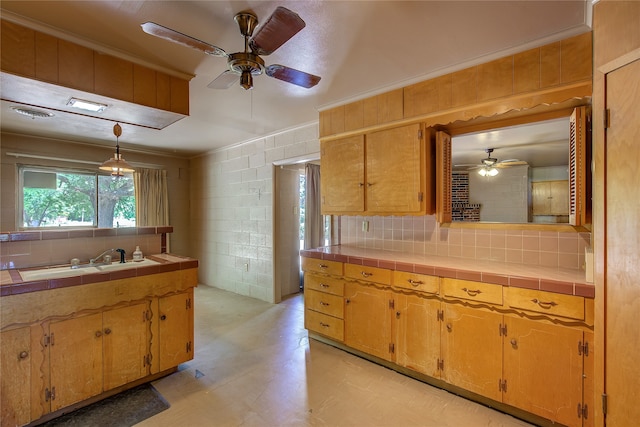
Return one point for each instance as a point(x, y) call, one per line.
point(347, 301)
point(98, 334)
point(326, 304)
point(107, 331)
point(163, 317)
point(23, 355)
point(514, 343)
point(449, 327)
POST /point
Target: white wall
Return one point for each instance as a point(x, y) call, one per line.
point(232, 210)
point(504, 197)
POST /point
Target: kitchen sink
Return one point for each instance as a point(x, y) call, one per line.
point(56, 273)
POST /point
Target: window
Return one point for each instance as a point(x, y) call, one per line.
point(52, 197)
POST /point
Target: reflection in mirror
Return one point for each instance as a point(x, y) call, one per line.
point(517, 174)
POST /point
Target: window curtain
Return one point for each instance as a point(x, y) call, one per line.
point(313, 221)
point(152, 198)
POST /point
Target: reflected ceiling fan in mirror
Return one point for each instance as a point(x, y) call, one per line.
point(489, 165)
point(277, 30)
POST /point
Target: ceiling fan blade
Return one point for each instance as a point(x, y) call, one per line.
point(183, 39)
point(290, 75)
point(278, 28)
point(225, 80)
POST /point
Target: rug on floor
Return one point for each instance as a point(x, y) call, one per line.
point(121, 410)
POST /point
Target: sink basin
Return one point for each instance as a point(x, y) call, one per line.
point(56, 273)
point(129, 264)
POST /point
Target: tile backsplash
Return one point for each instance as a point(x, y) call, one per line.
point(422, 235)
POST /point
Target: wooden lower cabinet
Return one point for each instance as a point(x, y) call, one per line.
point(15, 370)
point(176, 329)
point(472, 349)
point(367, 319)
point(543, 370)
point(417, 333)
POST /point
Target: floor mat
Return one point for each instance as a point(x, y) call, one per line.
point(121, 410)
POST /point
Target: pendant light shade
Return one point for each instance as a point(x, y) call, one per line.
point(117, 165)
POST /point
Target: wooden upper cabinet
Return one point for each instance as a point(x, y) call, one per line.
point(576, 62)
point(145, 87)
point(342, 175)
point(18, 49)
point(76, 66)
point(396, 171)
point(46, 58)
point(113, 77)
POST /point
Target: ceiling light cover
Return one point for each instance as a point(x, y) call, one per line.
point(117, 165)
point(82, 104)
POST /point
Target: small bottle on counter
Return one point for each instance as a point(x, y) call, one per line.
point(137, 254)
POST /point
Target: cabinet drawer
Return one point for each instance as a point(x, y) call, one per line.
point(325, 325)
point(332, 305)
point(416, 282)
point(369, 274)
point(545, 302)
point(474, 291)
point(330, 285)
point(322, 266)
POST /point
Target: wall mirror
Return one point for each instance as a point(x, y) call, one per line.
point(515, 174)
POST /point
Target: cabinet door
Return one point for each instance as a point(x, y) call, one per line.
point(543, 369)
point(76, 359)
point(126, 345)
point(367, 319)
point(472, 349)
point(176, 329)
point(15, 371)
point(395, 170)
point(342, 175)
point(417, 338)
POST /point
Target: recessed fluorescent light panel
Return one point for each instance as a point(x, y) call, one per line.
point(83, 104)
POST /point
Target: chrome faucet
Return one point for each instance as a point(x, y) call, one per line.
point(92, 261)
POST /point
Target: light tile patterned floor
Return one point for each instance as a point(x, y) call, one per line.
point(255, 366)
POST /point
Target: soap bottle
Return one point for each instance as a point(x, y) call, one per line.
point(137, 254)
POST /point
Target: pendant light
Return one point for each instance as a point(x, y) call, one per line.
point(117, 165)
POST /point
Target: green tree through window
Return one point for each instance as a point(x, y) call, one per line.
point(67, 198)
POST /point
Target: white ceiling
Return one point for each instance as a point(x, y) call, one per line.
point(359, 48)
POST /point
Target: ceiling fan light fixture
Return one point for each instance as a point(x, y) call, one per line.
point(117, 165)
point(486, 171)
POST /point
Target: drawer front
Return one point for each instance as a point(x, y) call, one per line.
point(330, 285)
point(332, 305)
point(322, 266)
point(473, 291)
point(369, 274)
point(571, 306)
point(416, 282)
point(324, 325)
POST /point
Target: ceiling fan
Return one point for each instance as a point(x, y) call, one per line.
point(277, 30)
point(489, 164)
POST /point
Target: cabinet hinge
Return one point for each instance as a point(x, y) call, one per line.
point(420, 134)
point(146, 360)
point(440, 315)
point(502, 385)
point(188, 346)
point(188, 303)
point(604, 403)
point(606, 118)
point(392, 348)
point(583, 411)
point(440, 365)
point(48, 340)
point(503, 329)
point(392, 304)
point(420, 196)
point(49, 394)
point(583, 348)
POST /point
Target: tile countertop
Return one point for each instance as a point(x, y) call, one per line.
point(11, 282)
point(558, 280)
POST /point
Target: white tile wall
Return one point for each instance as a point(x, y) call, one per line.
point(232, 210)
